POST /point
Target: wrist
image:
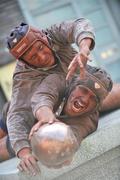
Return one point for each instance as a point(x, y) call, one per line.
point(24, 152)
point(41, 111)
point(85, 44)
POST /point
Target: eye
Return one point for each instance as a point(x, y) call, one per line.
point(93, 99)
point(83, 90)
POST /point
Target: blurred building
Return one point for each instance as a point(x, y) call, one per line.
point(10, 15)
point(104, 16)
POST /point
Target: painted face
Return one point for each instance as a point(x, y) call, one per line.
point(39, 55)
point(81, 100)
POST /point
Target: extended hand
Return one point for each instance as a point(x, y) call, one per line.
point(28, 164)
point(79, 60)
point(44, 115)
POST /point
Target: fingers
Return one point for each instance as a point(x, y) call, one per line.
point(22, 167)
point(49, 120)
point(29, 165)
point(71, 71)
point(31, 133)
point(82, 73)
point(73, 62)
point(33, 165)
point(81, 60)
point(35, 128)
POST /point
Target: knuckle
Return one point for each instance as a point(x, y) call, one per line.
point(41, 122)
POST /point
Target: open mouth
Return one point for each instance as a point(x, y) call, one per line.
point(78, 105)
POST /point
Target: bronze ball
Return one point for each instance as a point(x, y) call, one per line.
point(53, 144)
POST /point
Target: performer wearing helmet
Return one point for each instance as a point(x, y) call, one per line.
point(79, 126)
point(72, 112)
point(43, 57)
point(39, 78)
point(78, 109)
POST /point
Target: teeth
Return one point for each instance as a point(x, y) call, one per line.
point(76, 109)
point(78, 105)
point(82, 105)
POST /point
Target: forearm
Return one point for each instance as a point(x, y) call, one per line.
point(19, 128)
point(83, 126)
point(42, 112)
point(84, 33)
point(74, 32)
point(112, 101)
point(48, 93)
point(89, 123)
point(24, 152)
point(84, 47)
point(85, 43)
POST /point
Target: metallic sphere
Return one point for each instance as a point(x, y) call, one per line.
point(53, 144)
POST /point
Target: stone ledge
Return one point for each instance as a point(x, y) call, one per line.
point(105, 139)
point(104, 167)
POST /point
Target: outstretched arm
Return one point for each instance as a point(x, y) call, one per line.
point(79, 31)
point(45, 98)
point(112, 101)
point(84, 125)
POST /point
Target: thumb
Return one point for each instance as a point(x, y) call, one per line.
point(30, 135)
point(51, 121)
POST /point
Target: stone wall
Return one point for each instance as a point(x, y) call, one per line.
point(98, 157)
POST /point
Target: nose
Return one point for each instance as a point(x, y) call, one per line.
point(85, 99)
point(41, 54)
point(42, 57)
